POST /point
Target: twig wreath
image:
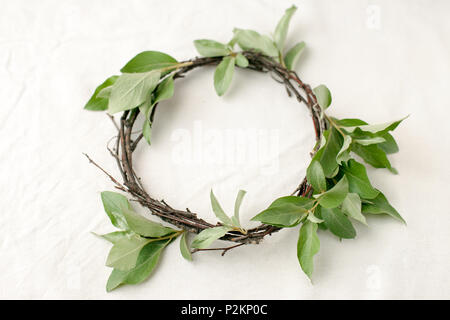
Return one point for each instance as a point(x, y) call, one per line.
point(335, 191)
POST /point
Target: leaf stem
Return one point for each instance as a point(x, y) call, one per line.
point(224, 249)
point(238, 229)
point(334, 124)
point(170, 236)
point(177, 66)
point(314, 207)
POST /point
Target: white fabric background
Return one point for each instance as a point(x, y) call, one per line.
point(382, 60)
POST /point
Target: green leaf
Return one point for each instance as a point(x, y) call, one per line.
point(223, 75)
point(322, 226)
point(338, 223)
point(312, 217)
point(307, 246)
point(145, 227)
point(380, 205)
point(334, 197)
point(211, 48)
point(358, 181)
point(350, 122)
point(97, 103)
point(218, 211)
point(374, 156)
point(148, 61)
point(205, 238)
point(115, 236)
point(237, 206)
point(323, 95)
point(131, 90)
point(105, 93)
point(369, 141)
point(316, 177)
point(113, 203)
point(377, 128)
point(164, 90)
point(352, 207)
point(285, 211)
point(147, 130)
point(241, 60)
point(389, 145)
point(124, 253)
point(184, 247)
point(281, 30)
point(292, 56)
point(249, 39)
point(232, 42)
point(328, 152)
point(145, 264)
point(344, 154)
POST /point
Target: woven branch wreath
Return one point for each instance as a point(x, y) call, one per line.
point(335, 191)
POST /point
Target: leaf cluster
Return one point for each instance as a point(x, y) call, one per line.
point(147, 79)
point(205, 238)
point(250, 40)
point(139, 243)
point(340, 187)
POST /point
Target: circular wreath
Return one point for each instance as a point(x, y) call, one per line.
point(335, 191)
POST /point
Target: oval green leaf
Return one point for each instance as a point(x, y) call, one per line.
point(164, 90)
point(344, 154)
point(316, 177)
point(323, 96)
point(374, 156)
point(327, 154)
point(124, 253)
point(115, 236)
point(113, 203)
point(307, 246)
point(279, 36)
point(223, 75)
point(334, 197)
point(338, 223)
point(131, 90)
point(148, 61)
point(358, 181)
point(211, 48)
point(205, 238)
point(249, 39)
point(285, 211)
point(389, 145)
point(352, 208)
point(380, 205)
point(184, 247)
point(241, 60)
point(145, 264)
point(96, 102)
point(218, 211)
point(145, 227)
point(292, 56)
point(237, 207)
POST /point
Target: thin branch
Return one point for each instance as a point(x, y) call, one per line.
point(113, 121)
point(121, 187)
point(224, 250)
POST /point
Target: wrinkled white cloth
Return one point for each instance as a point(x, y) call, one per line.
point(382, 60)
